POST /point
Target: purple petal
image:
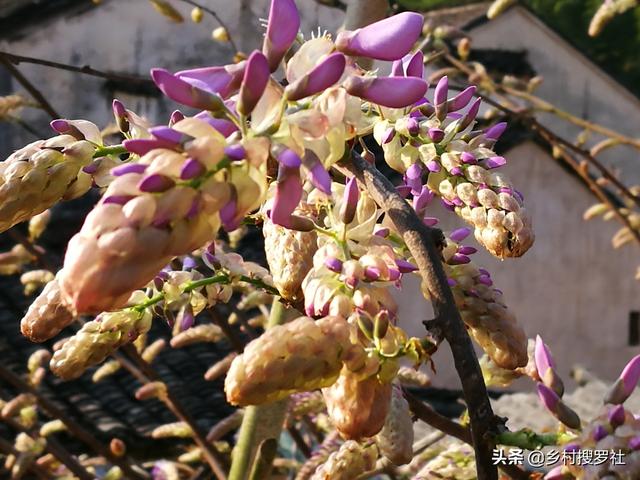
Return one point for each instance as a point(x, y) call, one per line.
point(631, 374)
point(616, 416)
point(287, 197)
point(433, 166)
point(397, 69)
point(458, 259)
point(467, 250)
point(372, 273)
point(167, 134)
point(141, 146)
point(254, 82)
point(405, 267)
point(413, 126)
point(189, 263)
point(414, 178)
point(634, 443)
point(462, 99)
point(195, 207)
point(321, 77)
point(556, 473)
point(225, 127)
point(548, 397)
point(289, 158)
point(392, 92)
point(495, 162)
point(430, 221)
point(471, 114)
point(320, 178)
point(119, 110)
point(155, 183)
point(349, 201)
point(128, 168)
point(219, 80)
point(460, 234)
point(421, 201)
point(388, 39)
point(176, 116)
point(388, 135)
point(118, 199)
point(494, 132)
point(485, 280)
point(436, 135)
point(457, 171)
point(235, 152)
point(415, 66)
point(181, 91)
point(228, 215)
point(65, 127)
point(599, 433)
point(441, 92)
point(282, 30)
point(191, 168)
point(381, 231)
point(333, 264)
point(468, 158)
point(542, 357)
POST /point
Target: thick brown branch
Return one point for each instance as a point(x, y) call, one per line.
point(429, 416)
point(421, 241)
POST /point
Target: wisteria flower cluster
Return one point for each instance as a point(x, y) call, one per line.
point(267, 146)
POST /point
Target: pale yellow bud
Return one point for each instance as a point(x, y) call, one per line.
point(196, 15)
point(220, 34)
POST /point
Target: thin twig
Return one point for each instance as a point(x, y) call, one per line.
point(218, 19)
point(5, 59)
point(422, 242)
point(74, 428)
point(86, 70)
point(142, 370)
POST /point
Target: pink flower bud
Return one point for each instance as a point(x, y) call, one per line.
point(321, 77)
point(289, 158)
point(459, 234)
point(458, 259)
point(462, 99)
point(441, 91)
point(392, 92)
point(388, 39)
point(282, 30)
point(189, 91)
point(388, 135)
point(616, 416)
point(128, 168)
point(155, 183)
point(421, 201)
point(436, 135)
point(557, 473)
point(495, 162)
point(176, 116)
point(413, 178)
point(430, 221)
point(225, 127)
point(333, 264)
point(624, 386)
point(471, 114)
point(191, 168)
point(254, 82)
point(494, 132)
point(168, 134)
point(405, 267)
point(235, 152)
point(414, 67)
point(542, 357)
point(349, 201)
point(288, 195)
point(228, 215)
point(66, 127)
point(467, 250)
point(468, 158)
point(372, 273)
point(120, 114)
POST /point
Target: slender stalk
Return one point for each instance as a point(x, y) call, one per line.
point(527, 439)
point(109, 150)
point(145, 373)
point(422, 241)
point(260, 422)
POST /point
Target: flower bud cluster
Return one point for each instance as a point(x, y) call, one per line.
point(169, 203)
point(395, 440)
point(47, 315)
point(290, 256)
point(437, 140)
point(37, 176)
point(350, 461)
point(490, 323)
point(298, 356)
point(99, 338)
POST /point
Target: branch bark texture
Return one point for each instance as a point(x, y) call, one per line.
point(422, 242)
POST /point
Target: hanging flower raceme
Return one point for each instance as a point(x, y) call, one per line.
point(395, 440)
point(47, 315)
point(99, 338)
point(44, 172)
point(459, 166)
point(482, 308)
point(299, 356)
point(168, 203)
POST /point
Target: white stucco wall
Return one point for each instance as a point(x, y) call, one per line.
point(571, 287)
point(571, 82)
point(130, 36)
